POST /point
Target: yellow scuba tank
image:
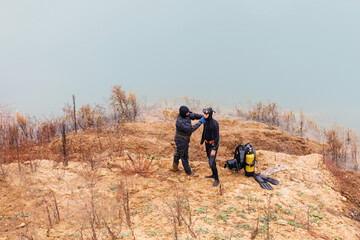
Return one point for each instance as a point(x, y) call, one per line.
point(249, 164)
point(250, 161)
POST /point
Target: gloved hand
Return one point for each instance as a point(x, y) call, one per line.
point(202, 120)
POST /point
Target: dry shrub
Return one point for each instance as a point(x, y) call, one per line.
point(10, 142)
point(354, 144)
point(52, 208)
point(92, 227)
point(314, 131)
point(267, 113)
point(96, 218)
point(313, 124)
point(123, 197)
point(140, 165)
point(133, 105)
point(47, 130)
point(125, 108)
point(86, 117)
point(342, 147)
point(89, 117)
point(13, 137)
point(118, 101)
point(289, 121)
point(178, 211)
point(302, 122)
point(91, 217)
point(334, 145)
point(99, 115)
point(22, 121)
point(68, 111)
point(27, 126)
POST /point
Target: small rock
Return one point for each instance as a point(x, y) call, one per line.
point(344, 199)
point(282, 222)
point(22, 225)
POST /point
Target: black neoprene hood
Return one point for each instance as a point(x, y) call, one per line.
point(183, 110)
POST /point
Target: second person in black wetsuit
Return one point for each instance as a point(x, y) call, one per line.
point(211, 138)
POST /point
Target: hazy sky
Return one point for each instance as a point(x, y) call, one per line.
point(299, 54)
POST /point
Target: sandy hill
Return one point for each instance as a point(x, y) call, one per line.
point(123, 198)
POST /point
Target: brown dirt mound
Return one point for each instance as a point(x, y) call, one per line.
point(308, 203)
point(157, 138)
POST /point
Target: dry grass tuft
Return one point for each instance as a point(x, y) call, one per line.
point(140, 165)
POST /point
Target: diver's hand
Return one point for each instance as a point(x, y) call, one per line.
point(212, 153)
point(201, 147)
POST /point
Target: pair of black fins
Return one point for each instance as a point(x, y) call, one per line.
point(264, 181)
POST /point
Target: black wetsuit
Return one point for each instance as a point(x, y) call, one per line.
point(184, 129)
point(211, 138)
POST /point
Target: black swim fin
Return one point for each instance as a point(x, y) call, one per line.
point(270, 180)
point(262, 182)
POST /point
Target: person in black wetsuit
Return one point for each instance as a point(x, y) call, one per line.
point(184, 129)
point(211, 138)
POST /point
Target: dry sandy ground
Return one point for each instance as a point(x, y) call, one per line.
point(307, 204)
